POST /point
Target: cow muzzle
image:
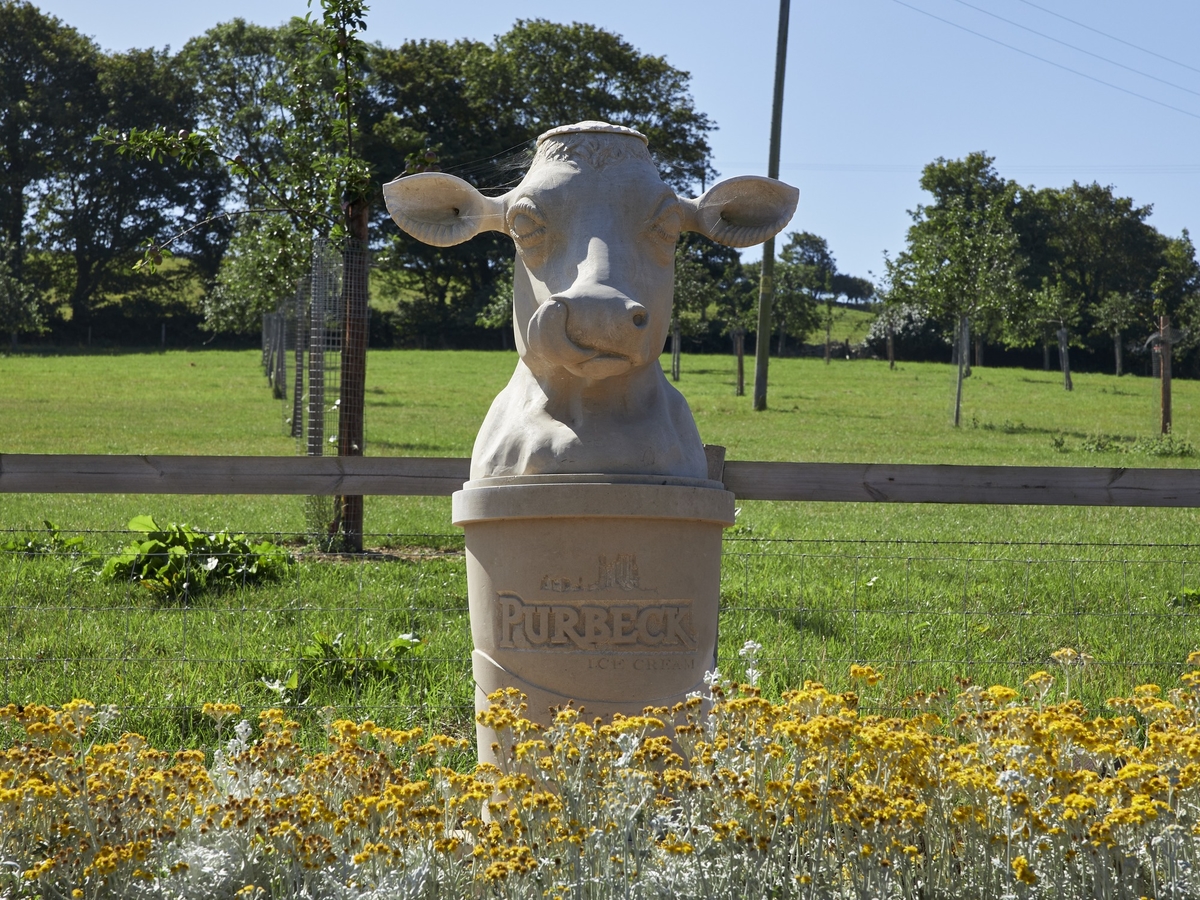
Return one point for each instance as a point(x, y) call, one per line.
point(594, 336)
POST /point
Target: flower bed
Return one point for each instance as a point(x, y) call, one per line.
point(996, 793)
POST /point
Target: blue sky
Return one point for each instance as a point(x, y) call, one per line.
point(875, 89)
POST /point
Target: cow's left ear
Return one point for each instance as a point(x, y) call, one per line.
point(742, 211)
point(441, 209)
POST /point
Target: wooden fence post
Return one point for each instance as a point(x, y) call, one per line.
point(1164, 329)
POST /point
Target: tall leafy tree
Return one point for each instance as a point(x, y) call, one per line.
point(1176, 286)
point(425, 115)
point(1176, 301)
point(963, 256)
point(1054, 305)
point(474, 109)
point(543, 74)
point(96, 209)
point(21, 309)
point(736, 310)
point(241, 73)
point(804, 287)
point(1115, 315)
point(1097, 250)
point(697, 294)
point(48, 77)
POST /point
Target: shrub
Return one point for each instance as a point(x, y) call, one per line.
point(177, 560)
point(35, 545)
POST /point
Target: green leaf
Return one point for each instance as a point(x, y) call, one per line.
point(144, 524)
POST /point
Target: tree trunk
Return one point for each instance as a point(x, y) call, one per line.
point(960, 344)
point(1116, 335)
point(279, 374)
point(1046, 355)
point(978, 351)
point(782, 339)
point(1164, 329)
point(891, 347)
point(1064, 358)
point(675, 349)
point(354, 363)
point(739, 348)
point(965, 354)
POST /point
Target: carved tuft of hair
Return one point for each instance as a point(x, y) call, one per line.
point(597, 150)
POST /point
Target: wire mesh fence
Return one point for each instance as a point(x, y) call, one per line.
point(306, 361)
point(333, 631)
point(301, 353)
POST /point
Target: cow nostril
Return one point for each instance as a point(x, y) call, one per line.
point(639, 319)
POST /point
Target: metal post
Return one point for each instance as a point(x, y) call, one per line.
point(317, 337)
point(300, 317)
point(739, 349)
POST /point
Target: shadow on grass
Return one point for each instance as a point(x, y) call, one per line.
point(411, 446)
point(1021, 428)
point(816, 623)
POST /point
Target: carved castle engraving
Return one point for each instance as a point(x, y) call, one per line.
point(620, 574)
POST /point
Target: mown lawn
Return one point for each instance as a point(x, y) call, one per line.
point(930, 592)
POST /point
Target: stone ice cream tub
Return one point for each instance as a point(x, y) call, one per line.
point(599, 589)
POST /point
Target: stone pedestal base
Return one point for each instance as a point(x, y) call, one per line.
point(598, 589)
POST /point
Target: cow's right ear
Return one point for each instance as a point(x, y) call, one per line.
point(441, 209)
point(742, 211)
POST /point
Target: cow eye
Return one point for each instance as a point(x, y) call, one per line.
point(525, 225)
point(667, 226)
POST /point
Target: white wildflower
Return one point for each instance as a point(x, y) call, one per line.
point(628, 744)
point(1010, 780)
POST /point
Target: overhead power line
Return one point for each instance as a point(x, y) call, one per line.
point(1058, 169)
point(1109, 84)
point(1111, 37)
point(1111, 62)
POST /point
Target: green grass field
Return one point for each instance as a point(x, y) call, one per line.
point(926, 592)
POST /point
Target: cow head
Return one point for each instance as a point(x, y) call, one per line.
point(595, 229)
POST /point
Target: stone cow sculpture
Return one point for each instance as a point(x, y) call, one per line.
point(595, 229)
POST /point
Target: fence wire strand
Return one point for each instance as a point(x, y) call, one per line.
point(928, 615)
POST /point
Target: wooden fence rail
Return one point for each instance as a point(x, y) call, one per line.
point(433, 476)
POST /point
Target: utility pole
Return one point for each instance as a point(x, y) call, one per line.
point(766, 288)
